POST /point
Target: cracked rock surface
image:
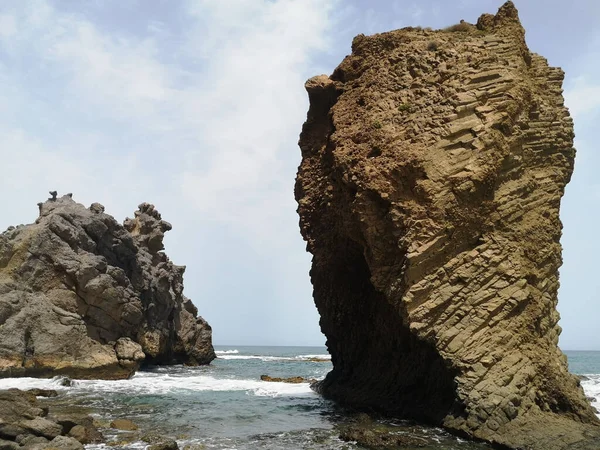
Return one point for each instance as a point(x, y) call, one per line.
point(433, 165)
point(84, 296)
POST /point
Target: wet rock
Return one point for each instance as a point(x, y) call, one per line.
point(374, 439)
point(158, 442)
point(123, 424)
point(287, 380)
point(166, 445)
point(84, 296)
point(43, 392)
point(85, 432)
point(429, 194)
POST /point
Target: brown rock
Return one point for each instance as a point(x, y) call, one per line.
point(293, 380)
point(123, 424)
point(41, 427)
point(158, 442)
point(165, 445)
point(374, 439)
point(86, 297)
point(8, 445)
point(43, 392)
point(429, 194)
point(63, 443)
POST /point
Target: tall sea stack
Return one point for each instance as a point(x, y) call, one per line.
point(433, 165)
point(84, 296)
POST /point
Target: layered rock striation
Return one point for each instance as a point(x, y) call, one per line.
point(433, 165)
point(84, 296)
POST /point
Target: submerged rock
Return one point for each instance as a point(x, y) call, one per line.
point(123, 424)
point(292, 380)
point(86, 297)
point(433, 164)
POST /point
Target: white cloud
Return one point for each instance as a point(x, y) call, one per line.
point(200, 116)
point(582, 96)
point(8, 26)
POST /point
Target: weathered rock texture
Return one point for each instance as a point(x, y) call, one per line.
point(83, 296)
point(25, 424)
point(433, 164)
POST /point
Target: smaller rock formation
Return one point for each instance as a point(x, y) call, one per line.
point(86, 297)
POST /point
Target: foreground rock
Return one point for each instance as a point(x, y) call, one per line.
point(86, 297)
point(433, 164)
point(25, 424)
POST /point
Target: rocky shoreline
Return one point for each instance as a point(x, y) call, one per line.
point(26, 423)
point(35, 419)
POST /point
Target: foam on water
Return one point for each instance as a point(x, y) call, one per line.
point(265, 358)
point(153, 383)
point(591, 387)
point(31, 383)
point(226, 352)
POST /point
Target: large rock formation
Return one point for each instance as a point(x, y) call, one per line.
point(433, 164)
point(83, 296)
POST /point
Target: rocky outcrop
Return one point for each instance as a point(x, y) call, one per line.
point(433, 165)
point(84, 296)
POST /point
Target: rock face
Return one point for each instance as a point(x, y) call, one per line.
point(433, 164)
point(86, 297)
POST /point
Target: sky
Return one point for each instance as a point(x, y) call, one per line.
point(196, 106)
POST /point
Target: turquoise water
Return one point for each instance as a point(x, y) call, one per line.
point(583, 362)
point(587, 364)
point(227, 406)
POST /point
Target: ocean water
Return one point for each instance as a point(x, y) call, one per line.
point(227, 406)
point(587, 365)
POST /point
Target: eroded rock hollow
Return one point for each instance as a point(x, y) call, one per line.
point(84, 296)
point(433, 165)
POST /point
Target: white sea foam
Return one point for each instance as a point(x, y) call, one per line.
point(591, 387)
point(266, 358)
point(31, 383)
point(226, 352)
point(149, 383)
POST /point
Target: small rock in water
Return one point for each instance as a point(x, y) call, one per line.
point(159, 442)
point(66, 381)
point(293, 380)
point(168, 444)
point(43, 392)
point(378, 439)
point(123, 424)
